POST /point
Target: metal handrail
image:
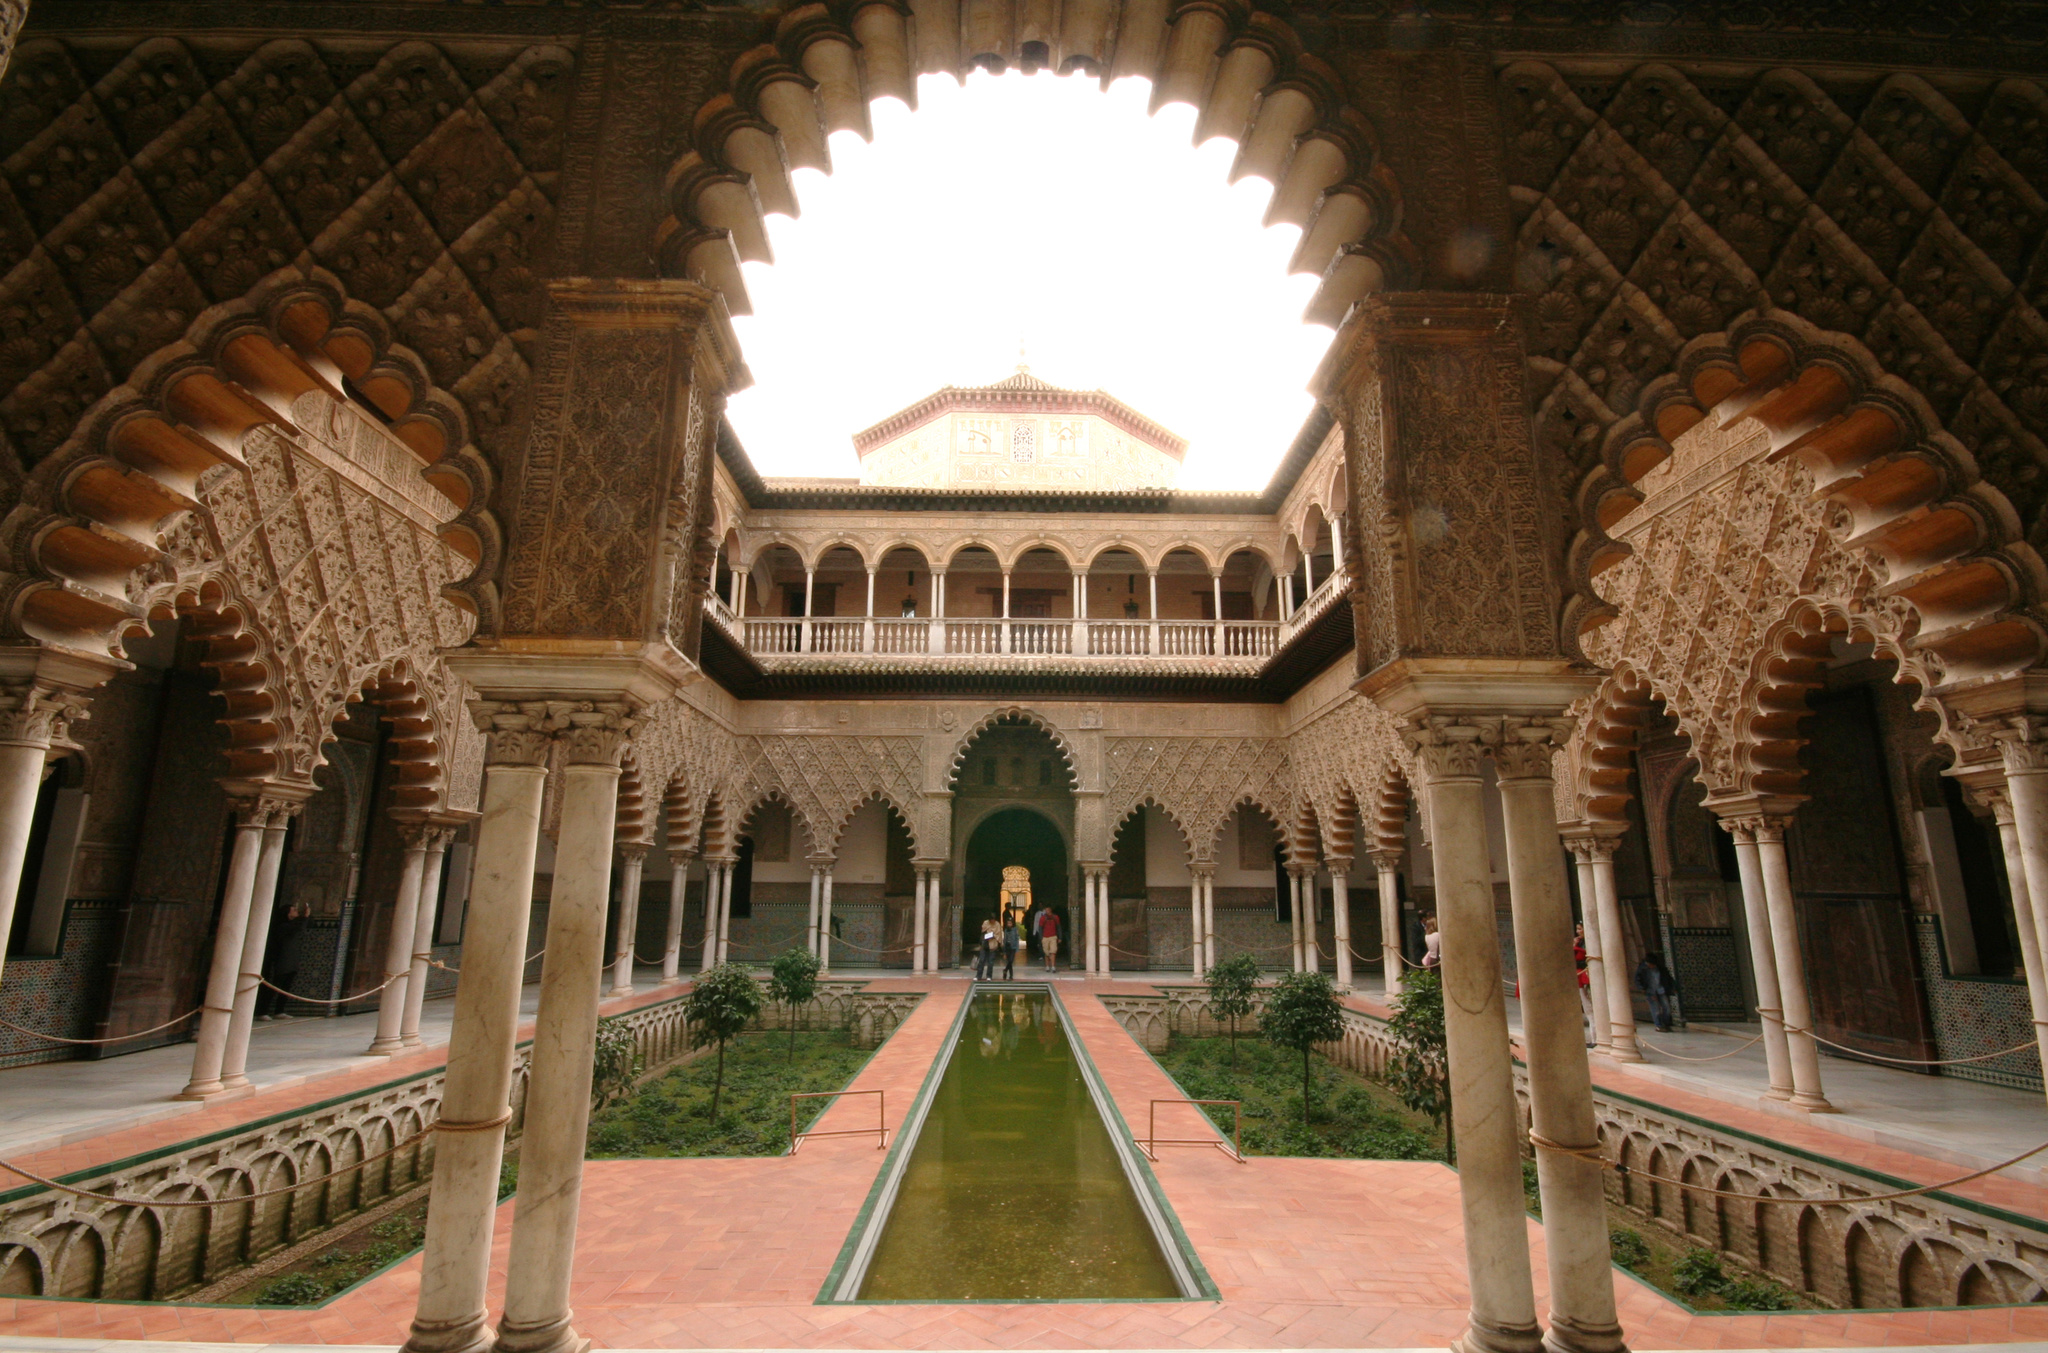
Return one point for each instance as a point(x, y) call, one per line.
point(1234, 1149)
point(797, 1139)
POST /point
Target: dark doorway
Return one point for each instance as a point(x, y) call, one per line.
point(1015, 836)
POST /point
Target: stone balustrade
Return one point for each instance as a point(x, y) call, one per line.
point(1926, 1251)
point(58, 1245)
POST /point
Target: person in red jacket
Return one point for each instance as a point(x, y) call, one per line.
point(1048, 928)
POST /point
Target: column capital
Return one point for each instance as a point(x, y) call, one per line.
point(1523, 747)
point(1450, 749)
point(1592, 841)
point(821, 860)
point(680, 856)
point(2022, 743)
point(43, 691)
point(415, 833)
point(256, 804)
point(1755, 817)
point(516, 733)
point(634, 850)
point(1386, 860)
point(1337, 864)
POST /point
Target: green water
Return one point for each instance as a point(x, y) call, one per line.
point(1014, 1188)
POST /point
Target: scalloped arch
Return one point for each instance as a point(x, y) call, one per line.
point(1896, 486)
point(1244, 71)
point(1015, 714)
point(91, 528)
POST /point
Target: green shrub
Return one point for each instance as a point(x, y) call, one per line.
point(616, 1064)
point(1420, 1072)
point(1627, 1247)
point(1698, 1274)
point(293, 1289)
point(1757, 1294)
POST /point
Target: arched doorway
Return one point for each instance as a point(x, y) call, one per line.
point(1023, 836)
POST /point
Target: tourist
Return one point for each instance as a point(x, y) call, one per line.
point(1049, 938)
point(1656, 981)
point(1013, 940)
point(281, 960)
point(985, 952)
point(1585, 981)
point(1432, 943)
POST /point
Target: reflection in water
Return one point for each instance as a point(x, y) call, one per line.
point(1014, 1188)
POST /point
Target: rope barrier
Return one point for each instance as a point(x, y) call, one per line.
point(1646, 1043)
point(457, 972)
point(1593, 1154)
point(341, 1000)
point(1910, 1061)
point(123, 1038)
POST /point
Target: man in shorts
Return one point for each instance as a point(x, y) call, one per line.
point(1049, 938)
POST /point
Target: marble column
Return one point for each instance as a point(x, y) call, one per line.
point(678, 894)
point(2024, 913)
point(1107, 963)
point(632, 863)
point(423, 937)
point(918, 929)
point(1311, 946)
point(405, 910)
point(1387, 868)
point(557, 1117)
point(1573, 1189)
point(825, 925)
point(1763, 961)
point(811, 916)
point(1209, 938)
point(1197, 943)
point(469, 1148)
point(1802, 1053)
point(725, 876)
point(234, 1067)
point(2026, 786)
point(252, 814)
point(1084, 925)
point(36, 712)
point(1596, 966)
point(1483, 1110)
point(1621, 1006)
point(1340, 919)
point(1294, 915)
point(712, 869)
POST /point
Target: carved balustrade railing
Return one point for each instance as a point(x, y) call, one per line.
point(1847, 1246)
point(60, 1245)
point(1240, 643)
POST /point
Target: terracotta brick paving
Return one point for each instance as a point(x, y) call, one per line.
point(732, 1253)
point(2015, 1195)
point(230, 1111)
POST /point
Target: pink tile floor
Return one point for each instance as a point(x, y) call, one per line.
point(732, 1254)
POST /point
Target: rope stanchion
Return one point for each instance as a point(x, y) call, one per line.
point(84, 1042)
point(1592, 1154)
point(392, 1150)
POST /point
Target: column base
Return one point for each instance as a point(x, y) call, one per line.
point(384, 1047)
point(1777, 1092)
point(472, 1335)
point(1569, 1336)
point(1812, 1103)
point(412, 1041)
point(619, 991)
point(1623, 1054)
point(200, 1090)
point(234, 1082)
point(552, 1336)
point(1479, 1338)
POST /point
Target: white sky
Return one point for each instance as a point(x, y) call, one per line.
point(1037, 209)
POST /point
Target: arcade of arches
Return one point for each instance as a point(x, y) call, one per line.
point(391, 613)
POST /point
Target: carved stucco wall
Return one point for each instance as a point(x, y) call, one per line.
point(1658, 205)
point(140, 186)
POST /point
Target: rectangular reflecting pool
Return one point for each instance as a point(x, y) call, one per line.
point(1013, 1187)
